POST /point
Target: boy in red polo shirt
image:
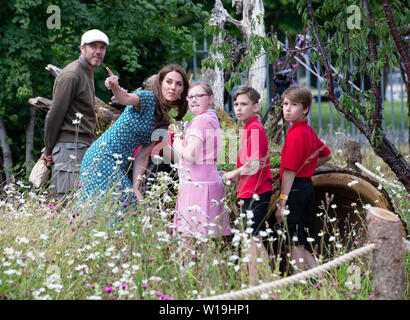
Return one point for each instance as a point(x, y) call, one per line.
point(302, 152)
point(253, 174)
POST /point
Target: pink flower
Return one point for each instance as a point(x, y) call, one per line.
point(158, 293)
point(47, 260)
point(149, 259)
point(108, 289)
point(145, 286)
point(272, 297)
point(92, 285)
point(370, 297)
point(26, 272)
point(51, 207)
point(124, 285)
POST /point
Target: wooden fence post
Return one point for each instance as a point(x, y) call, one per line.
point(385, 230)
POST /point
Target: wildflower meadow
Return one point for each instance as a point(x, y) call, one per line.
point(52, 250)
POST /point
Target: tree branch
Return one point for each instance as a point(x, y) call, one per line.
point(398, 40)
point(330, 86)
point(377, 116)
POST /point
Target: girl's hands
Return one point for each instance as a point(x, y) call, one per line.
point(231, 176)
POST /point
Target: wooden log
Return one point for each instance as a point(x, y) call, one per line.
point(348, 188)
point(54, 71)
point(40, 103)
point(353, 154)
point(106, 114)
point(385, 230)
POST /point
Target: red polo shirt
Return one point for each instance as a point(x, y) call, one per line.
point(254, 145)
point(302, 145)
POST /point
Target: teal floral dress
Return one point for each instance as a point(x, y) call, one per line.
point(106, 163)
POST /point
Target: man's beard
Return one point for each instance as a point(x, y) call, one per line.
point(93, 64)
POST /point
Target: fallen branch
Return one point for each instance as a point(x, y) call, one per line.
point(373, 175)
point(106, 114)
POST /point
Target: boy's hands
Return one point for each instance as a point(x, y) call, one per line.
point(279, 214)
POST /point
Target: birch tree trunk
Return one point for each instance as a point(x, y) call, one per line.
point(251, 10)
point(30, 140)
point(5, 148)
point(250, 24)
point(215, 78)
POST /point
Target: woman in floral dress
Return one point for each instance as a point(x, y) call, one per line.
point(105, 164)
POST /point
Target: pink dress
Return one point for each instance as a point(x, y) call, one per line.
point(199, 209)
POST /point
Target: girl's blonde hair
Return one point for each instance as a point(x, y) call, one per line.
point(207, 88)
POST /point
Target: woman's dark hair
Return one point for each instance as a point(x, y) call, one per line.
point(163, 107)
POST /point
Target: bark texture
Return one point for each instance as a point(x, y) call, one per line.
point(385, 229)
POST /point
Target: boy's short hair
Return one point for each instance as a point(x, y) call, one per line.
point(252, 94)
point(300, 95)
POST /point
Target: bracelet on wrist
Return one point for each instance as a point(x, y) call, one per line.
point(283, 196)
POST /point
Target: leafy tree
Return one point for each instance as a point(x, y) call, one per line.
point(371, 47)
point(143, 38)
point(369, 42)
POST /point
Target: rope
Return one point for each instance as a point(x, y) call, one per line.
point(297, 277)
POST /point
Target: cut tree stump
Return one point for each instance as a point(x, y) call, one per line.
point(353, 154)
point(385, 230)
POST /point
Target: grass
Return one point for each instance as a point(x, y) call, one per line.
point(50, 251)
point(328, 111)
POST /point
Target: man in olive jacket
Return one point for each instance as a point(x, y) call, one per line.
point(71, 121)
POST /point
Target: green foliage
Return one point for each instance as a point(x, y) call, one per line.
point(256, 46)
point(144, 36)
point(348, 51)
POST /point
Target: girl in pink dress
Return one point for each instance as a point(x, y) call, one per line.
point(199, 209)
